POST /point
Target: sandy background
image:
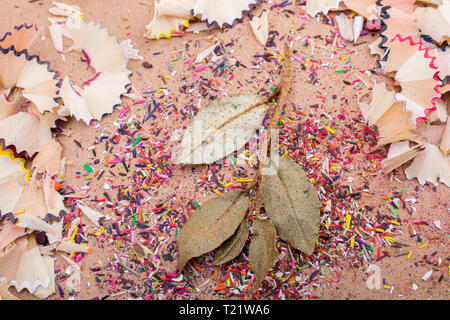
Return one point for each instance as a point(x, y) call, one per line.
point(344, 277)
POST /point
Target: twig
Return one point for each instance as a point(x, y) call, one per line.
point(285, 85)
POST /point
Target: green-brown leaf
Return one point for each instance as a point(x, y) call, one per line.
point(221, 127)
point(210, 225)
point(233, 245)
point(262, 251)
point(291, 203)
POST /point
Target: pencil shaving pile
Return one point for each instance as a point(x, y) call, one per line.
point(33, 102)
point(175, 17)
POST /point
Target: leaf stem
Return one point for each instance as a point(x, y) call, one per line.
point(284, 88)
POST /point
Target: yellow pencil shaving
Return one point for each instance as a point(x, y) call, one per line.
point(244, 180)
point(331, 130)
point(19, 213)
point(21, 161)
point(99, 231)
point(348, 219)
point(72, 237)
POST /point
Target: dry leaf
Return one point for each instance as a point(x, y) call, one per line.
point(210, 225)
point(434, 22)
point(262, 252)
point(223, 13)
point(233, 245)
point(260, 27)
point(291, 203)
point(220, 128)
